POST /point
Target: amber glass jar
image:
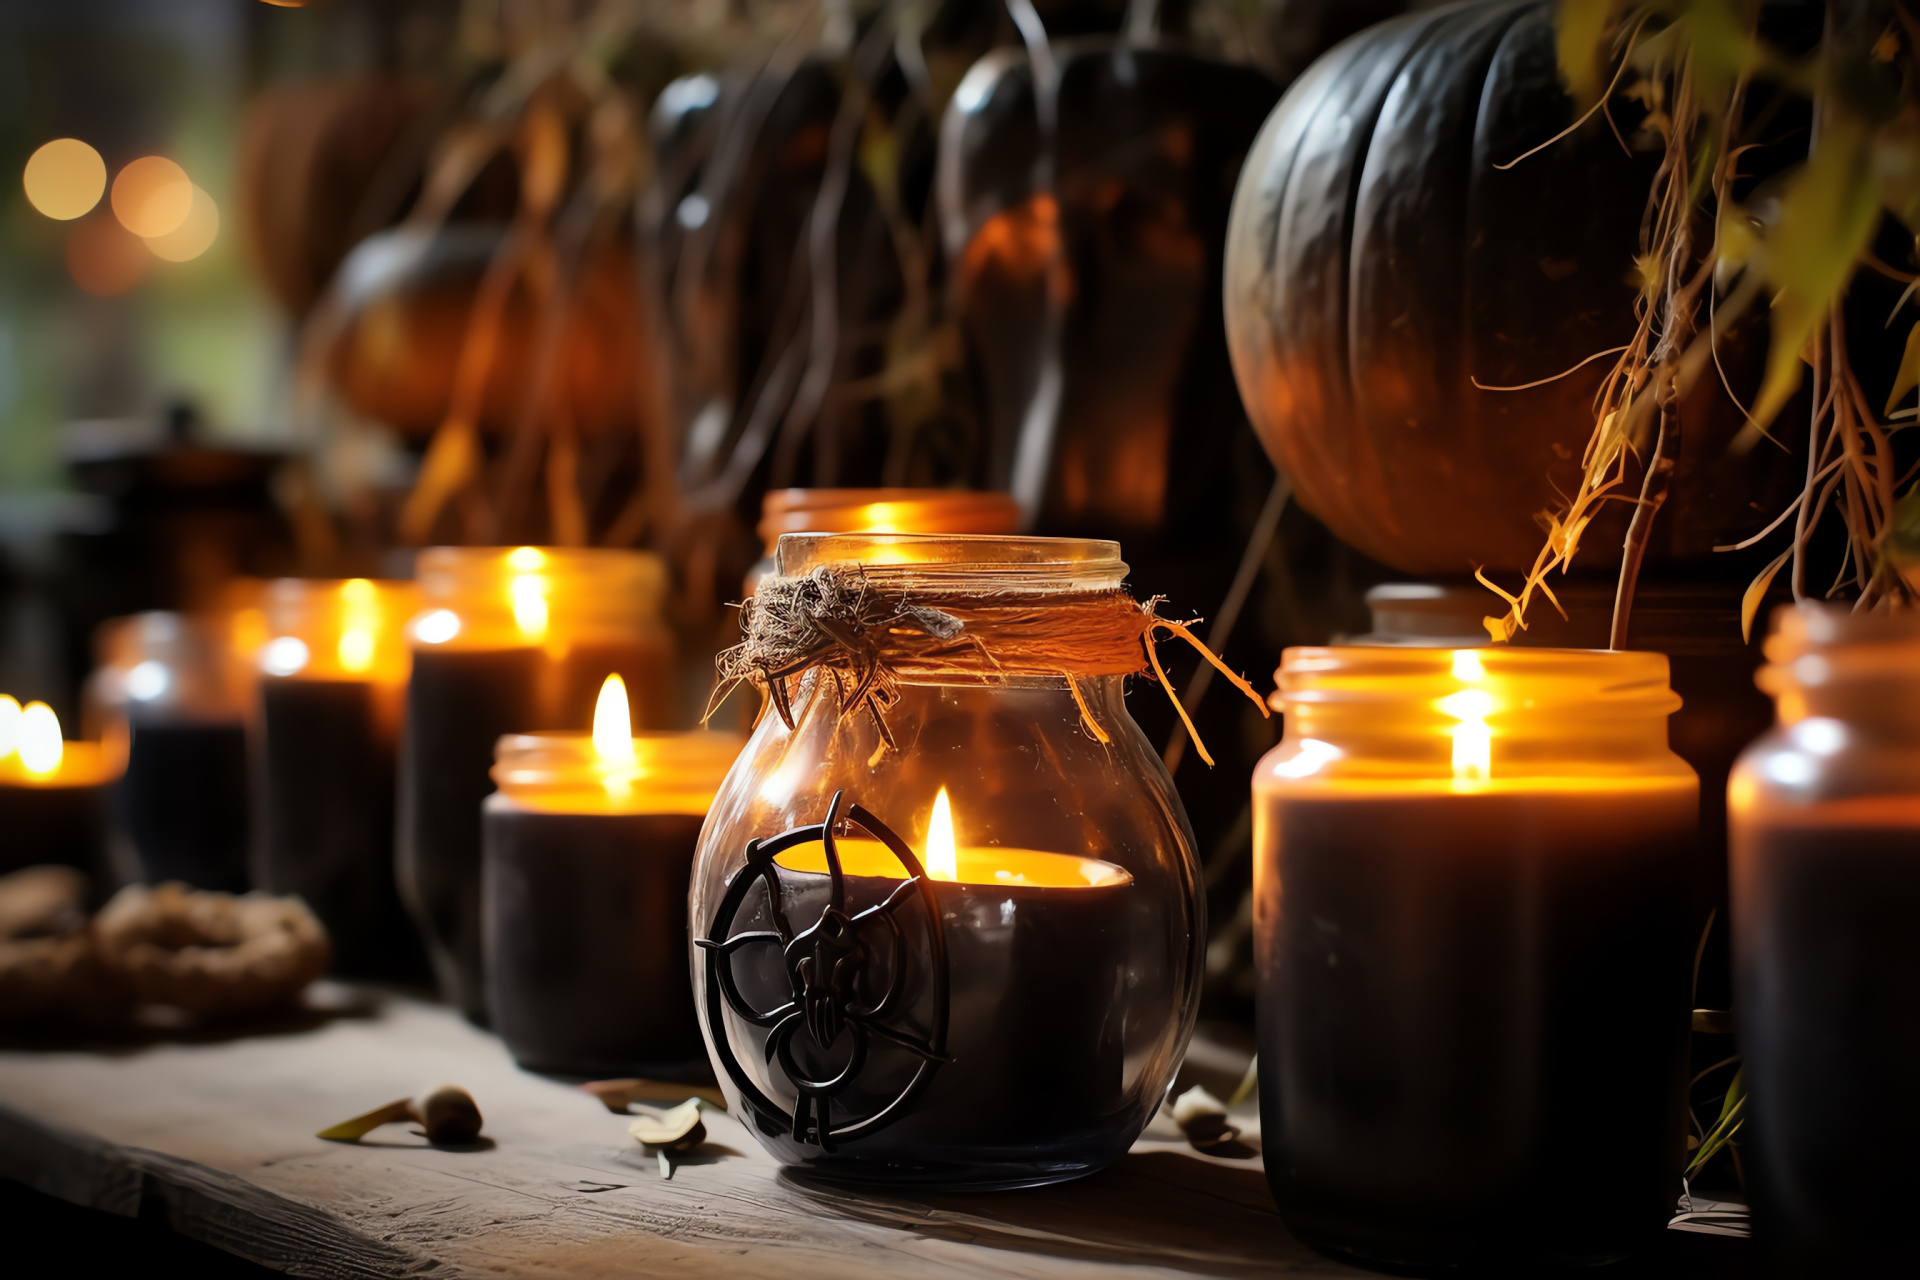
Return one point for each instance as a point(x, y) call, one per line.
point(333, 680)
point(588, 853)
point(784, 511)
point(508, 640)
point(1824, 815)
point(1011, 1015)
point(1474, 918)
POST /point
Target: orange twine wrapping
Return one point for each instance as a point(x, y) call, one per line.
point(837, 619)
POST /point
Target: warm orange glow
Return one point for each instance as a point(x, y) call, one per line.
point(152, 196)
point(943, 862)
point(39, 741)
point(360, 620)
point(526, 559)
point(195, 234)
point(65, 179)
point(984, 867)
point(9, 724)
point(613, 723)
point(104, 260)
point(1472, 738)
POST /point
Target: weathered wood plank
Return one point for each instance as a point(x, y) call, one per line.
point(221, 1132)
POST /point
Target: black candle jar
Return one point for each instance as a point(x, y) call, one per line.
point(177, 687)
point(53, 794)
point(1474, 909)
point(588, 853)
point(948, 917)
point(1824, 817)
point(332, 687)
point(509, 641)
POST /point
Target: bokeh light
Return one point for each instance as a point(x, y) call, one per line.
point(152, 196)
point(104, 259)
point(65, 178)
point(194, 234)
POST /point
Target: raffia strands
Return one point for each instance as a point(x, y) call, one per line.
point(868, 639)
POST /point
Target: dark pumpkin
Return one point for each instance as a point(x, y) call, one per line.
point(1378, 264)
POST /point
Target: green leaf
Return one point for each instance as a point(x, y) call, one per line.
point(1909, 376)
point(1756, 592)
point(1581, 37)
point(1732, 1109)
point(1896, 166)
point(1826, 218)
point(1903, 539)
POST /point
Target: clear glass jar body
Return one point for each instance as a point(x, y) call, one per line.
point(167, 688)
point(1072, 927)
point(333, 679)
point(1824, 820)
point(508, 640)
point(1475, 902)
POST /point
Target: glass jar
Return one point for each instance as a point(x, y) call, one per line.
point(167, 687)
point(1825, 844)
point(588, 854)
point(508, 640)
point(333, 679)
point(1474, 916)
point(1013, 1015)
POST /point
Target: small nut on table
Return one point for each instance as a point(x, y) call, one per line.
point(448, 1115)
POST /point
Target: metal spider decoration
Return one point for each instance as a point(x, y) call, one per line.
point(827, 966)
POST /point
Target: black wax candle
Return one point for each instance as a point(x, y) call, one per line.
point(1827, 964)
point(327, 760)
point(586, 940)
point(1037, 978)
point(459, 702)
point(58, 824)
point(1473, 1021)
point(182, 805)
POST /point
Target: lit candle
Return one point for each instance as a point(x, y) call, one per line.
point(1037, 955)
point(588, 850)
point(53, 793)
point(332, 685)
point(1475, 906)
point(974, 511)
point(508, 641)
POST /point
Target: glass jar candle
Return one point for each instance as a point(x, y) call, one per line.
point(1824, 816)
point(784, 511)
point(54, 794)
point(946, 901)
point(508, 640)
point(588, 853)
point(168, 683)
point(1475, 909)
point(332, 688)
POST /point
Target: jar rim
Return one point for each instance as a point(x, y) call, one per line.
point(1011, 560)
point(1627, 682)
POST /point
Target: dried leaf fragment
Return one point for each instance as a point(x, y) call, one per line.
point(447, 1114)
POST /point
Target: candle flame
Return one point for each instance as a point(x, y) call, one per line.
point(360, 618)
point(356, 649)
point(38, 739)
point(613, 723)
point(1472, 738)
point(943, 860)
point(526, 559)
point(530, 603)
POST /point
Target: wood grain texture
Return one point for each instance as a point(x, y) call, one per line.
point(220, 1132)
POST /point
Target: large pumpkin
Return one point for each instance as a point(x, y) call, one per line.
point(1378, 264)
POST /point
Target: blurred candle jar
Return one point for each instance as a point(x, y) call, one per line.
point(508, 640)
point(54, 794)
point(588, 852)
point(784, 511)
point(946, 902)
point(169, 682)
point(1824, 816)
point(332, 689)
point(1475, 913)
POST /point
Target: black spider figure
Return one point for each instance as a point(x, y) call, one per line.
point(827, 966)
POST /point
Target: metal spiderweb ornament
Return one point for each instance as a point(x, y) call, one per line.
point(828, 968)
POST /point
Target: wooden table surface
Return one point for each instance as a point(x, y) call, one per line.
point(217, 1133)
point(221, 1130)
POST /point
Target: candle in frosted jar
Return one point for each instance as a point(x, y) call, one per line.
point(509, 640)
point(588, 849)
point(53, 793)
point(330, 698)
point(991, 979)
point(1475, 908)
point(784, 511)
point(1824, 816)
